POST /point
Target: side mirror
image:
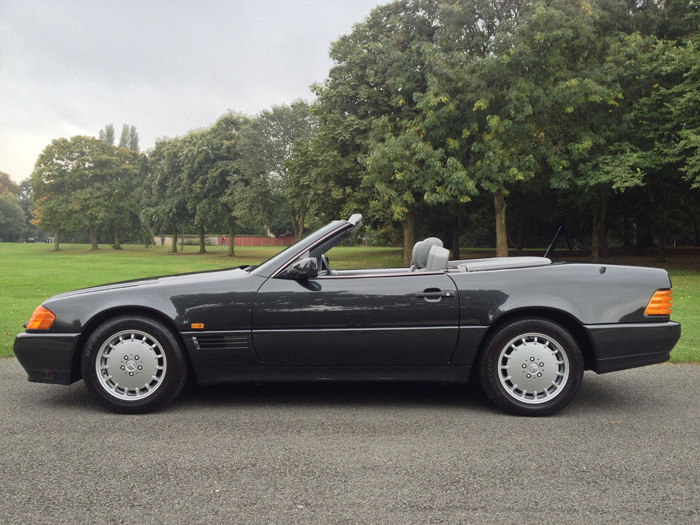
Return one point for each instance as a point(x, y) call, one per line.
point(302, 269)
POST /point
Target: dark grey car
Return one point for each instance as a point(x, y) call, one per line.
point(527, 326)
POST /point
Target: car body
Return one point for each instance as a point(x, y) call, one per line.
point(527, 326)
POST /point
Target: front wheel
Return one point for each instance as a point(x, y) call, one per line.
point(531, 367)
point(133, 364)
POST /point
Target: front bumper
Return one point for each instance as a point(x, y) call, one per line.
point(622, 346)
point(48, 358)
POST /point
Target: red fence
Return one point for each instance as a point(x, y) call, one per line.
point(250, 240)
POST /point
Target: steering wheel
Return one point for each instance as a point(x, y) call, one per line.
point(325, 265)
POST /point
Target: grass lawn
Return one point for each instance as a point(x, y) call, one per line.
point(33, 272)
point(686, 310)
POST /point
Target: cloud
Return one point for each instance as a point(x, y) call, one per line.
point(71, 67)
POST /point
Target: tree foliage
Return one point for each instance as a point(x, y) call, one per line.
point(164, 205)
point(129, 138)
point(547, 112)
point(267, 146)
point(212, 176)
point(107, 134)
point(81, 183)
point(441, 100)
point(12, 218)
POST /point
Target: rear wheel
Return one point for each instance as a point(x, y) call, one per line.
point(134, 364)
point(531, 367)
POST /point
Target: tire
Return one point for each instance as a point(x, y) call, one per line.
point(134, 364)
point(531, 367)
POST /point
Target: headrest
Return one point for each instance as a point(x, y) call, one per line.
point(437, 258)
point(421, 250)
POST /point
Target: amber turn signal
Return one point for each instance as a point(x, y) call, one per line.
point(660, 303)
point(41, 319)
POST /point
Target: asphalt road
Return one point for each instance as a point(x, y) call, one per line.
point(627, 449)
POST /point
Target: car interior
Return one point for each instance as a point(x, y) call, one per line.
point(429, 255)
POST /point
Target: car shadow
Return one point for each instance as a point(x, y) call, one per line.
point(603, 394)
point(327, 394)
point(595, 396)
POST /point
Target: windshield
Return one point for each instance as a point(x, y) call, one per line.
point(268, 267)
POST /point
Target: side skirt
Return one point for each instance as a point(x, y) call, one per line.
point(438, 374)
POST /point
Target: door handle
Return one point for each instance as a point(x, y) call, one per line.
point(433, 296)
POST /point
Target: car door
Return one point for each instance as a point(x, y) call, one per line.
point(406, 319)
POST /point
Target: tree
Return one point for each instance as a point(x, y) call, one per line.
point(83, 182)
point(667, 116)
point(379, 67)
point(218, 191)
point(107, 134)
point(133, 144)
point(12, 208)
point(7, 185)
point(585, 83)
point(26, 203)
point(129, 138)
point(11, 217)
point(266, 148)
point(165, 203)
point(244, 195)
point(301, 189)
point(52, 187)
point(197, 154)
point(403, 170)
point(121, 176)
point(103, 187)
point(124, 137)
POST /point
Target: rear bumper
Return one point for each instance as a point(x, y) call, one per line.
point(622, 346)
point(48, 358)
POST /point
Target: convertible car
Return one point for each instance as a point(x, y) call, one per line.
point(525, 327)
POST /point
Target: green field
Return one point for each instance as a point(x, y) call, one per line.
point(33, 272)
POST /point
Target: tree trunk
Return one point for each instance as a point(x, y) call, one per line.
point(599, 239)
point(692, 219)
point(93, 239)
point(646, 223)
point(595, 246)
point(117, 238)
point(604, 248)
point(455, 239)
point(202, 248)
point(173, 248)
point(626, 231)
point(231, 234)
point(298, 222)
point(408, 239)
point(517, 243)
point(55, 239)
point(661, 246)
point(499, 203)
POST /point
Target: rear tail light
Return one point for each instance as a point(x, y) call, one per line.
point(41, 319)
point(660, 303)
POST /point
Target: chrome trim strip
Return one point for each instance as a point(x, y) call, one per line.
point(200, 333)
point(355, 329)
point(375, 275)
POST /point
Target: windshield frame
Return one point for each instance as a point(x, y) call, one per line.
point(278, 262)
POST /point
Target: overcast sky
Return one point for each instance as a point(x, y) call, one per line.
point(70, 67)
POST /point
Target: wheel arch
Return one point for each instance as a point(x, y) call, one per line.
point(94, 322)
point(564, 319)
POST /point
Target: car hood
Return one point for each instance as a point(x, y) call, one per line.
point(185, 278)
